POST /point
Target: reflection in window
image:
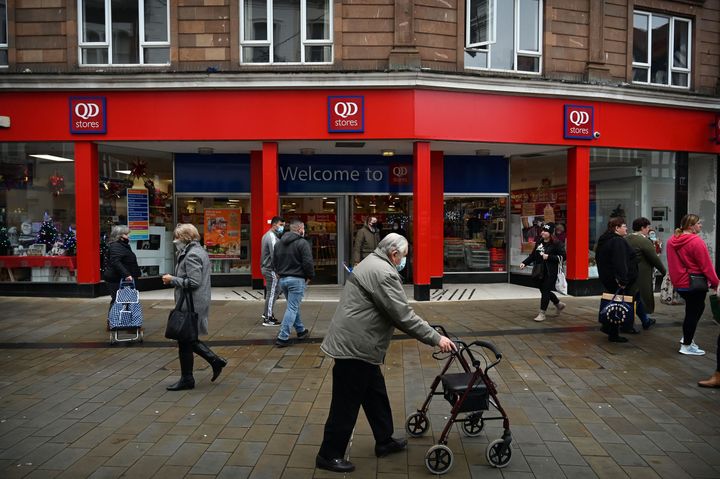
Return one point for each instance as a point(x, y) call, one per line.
point(661, 50)
point(286, 31)
point(137, 34)
point(517, 38)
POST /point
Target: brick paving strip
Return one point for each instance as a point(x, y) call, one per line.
point(71, 406)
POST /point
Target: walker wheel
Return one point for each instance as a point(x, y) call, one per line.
point(498, 454)
point(439, 459)
point(473, 425)
point(416, 424)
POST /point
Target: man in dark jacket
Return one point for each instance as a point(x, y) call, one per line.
point(366, 240)
point(293, 263)
point(121, 261)
point(617, 268)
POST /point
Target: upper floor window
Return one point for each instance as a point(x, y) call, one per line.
point(124, 32)
point(661, 49)
point(513, 41)
point(3, 34)
point(286, 31)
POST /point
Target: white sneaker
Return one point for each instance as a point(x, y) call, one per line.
point(560, 306)
point(691, 350)
point(540, 316)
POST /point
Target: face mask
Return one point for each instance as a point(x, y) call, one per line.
point(652, 236)
point(401, 266)
point(179, 245)
point(125, 240)
point(280, 229)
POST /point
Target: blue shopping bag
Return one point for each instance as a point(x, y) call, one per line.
point(127, 293)
point(125, 316)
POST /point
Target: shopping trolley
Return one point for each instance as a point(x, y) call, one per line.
point(126, 314)
point(471, 393)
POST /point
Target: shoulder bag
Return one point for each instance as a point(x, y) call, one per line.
point(182, 326)
point(698, 281)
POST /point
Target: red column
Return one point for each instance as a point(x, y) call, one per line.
point(578, 212)
point(87, 212)
point(422, 220)
point(263, 202)
point(437, 217)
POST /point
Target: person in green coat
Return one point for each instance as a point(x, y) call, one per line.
point(647, 259)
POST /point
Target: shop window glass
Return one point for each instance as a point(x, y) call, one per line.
point(538, 195)
point(475, 234)
point(3, 34)
point(661, 49)
point(151, 172)
point(631, 184)
point(224, 226)
point(286, 31)
point(120, 32)
point(516, 39)
point(37, 212)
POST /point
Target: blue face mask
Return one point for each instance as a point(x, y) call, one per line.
point(280, 229)
point(401, 266)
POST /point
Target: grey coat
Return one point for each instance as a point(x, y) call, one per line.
point(365, 243)
point(372, 305)
point(647, 259)
point(193, 271)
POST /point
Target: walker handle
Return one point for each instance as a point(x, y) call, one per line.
point(440, 329)
point(490, 346)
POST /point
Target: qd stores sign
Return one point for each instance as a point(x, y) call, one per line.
point(579, 121)
point(346, 114)
point(88, 115)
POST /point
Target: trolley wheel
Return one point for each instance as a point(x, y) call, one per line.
point(473, 425)
point(416, 424)
point(497, 454)
point(439, 459)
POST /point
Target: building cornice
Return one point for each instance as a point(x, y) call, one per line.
point(371, 80)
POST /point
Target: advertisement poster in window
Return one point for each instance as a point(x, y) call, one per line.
point(222, 230)
point(138, 214)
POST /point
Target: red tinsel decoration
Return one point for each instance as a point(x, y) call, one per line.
point(56, 184)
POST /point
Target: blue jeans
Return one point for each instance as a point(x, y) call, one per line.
point(294, 289)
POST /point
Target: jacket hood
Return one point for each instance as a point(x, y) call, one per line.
point(682, 240)
point(289, 237)
point(383, 256)
point(605, 237)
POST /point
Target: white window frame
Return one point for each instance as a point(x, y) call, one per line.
point(269, 35)
point(671, 52)
point(492, 15)
point(108, 32)
point(4, 46)
point(516, 42)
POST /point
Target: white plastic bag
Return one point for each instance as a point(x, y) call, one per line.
point(561, 282)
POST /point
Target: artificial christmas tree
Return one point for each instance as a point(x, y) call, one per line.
point(48, 233)
point(70, 243)
point(5, 246)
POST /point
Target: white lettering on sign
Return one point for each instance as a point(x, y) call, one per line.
point(87, 110)
point(344, 109)
point(578, 117)
point(308, 173)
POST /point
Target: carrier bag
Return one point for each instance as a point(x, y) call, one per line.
point(561, 281)
point(125, 316)
point(127, 293)
point(182, 326)
point(616, 308)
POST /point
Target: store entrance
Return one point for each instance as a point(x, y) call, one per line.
point(323, 220)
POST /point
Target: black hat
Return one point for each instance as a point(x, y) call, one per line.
point(549, 227)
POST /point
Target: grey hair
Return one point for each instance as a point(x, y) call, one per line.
point(393, 242)
point(186, 232)
point(117, 231)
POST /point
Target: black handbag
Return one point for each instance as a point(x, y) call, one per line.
point(698, 281)
point(538, 271)
point(182, 326)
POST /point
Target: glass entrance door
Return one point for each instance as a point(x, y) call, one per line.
point(321, 218)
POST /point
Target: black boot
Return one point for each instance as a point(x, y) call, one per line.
point(216, 362)
point(185, 353)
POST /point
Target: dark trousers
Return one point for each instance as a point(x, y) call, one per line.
point(546, 287)
point(355, 383)
point(694, 307)
point(187, 358)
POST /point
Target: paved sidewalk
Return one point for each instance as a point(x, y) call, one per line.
point(71, 406)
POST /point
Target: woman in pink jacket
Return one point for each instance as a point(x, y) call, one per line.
point(687, 254)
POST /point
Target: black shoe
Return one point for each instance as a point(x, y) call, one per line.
point(390, 447)
point(617, 339)
point(334, 465)
point(304, 334)
point(186, 382)
point(282, 343)
point(629, 331)
point(216, 362)
point(649, 324)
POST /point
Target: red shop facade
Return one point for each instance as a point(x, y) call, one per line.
point(594, 142)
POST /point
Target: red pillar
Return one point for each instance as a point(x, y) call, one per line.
point(87, 212)
point(263, 202)
point(422, 215)
point(437, 214)
point(578, 212)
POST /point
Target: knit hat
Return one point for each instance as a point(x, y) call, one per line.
point(549, 227)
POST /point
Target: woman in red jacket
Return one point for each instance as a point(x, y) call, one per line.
point(687, 254)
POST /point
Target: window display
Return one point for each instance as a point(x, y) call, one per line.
point(475, 234)
point(37, 212)
point(224, 226)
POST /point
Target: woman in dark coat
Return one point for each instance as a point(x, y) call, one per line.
point(546, 259)
point(121, 262)
point(617, 268)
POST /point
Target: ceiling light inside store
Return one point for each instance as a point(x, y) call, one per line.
point(330, 202)
point(233, 201)
point(123, 172)
point(51, 158)
point(388, 152)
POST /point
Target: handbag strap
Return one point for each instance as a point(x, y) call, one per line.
point(191, 305)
